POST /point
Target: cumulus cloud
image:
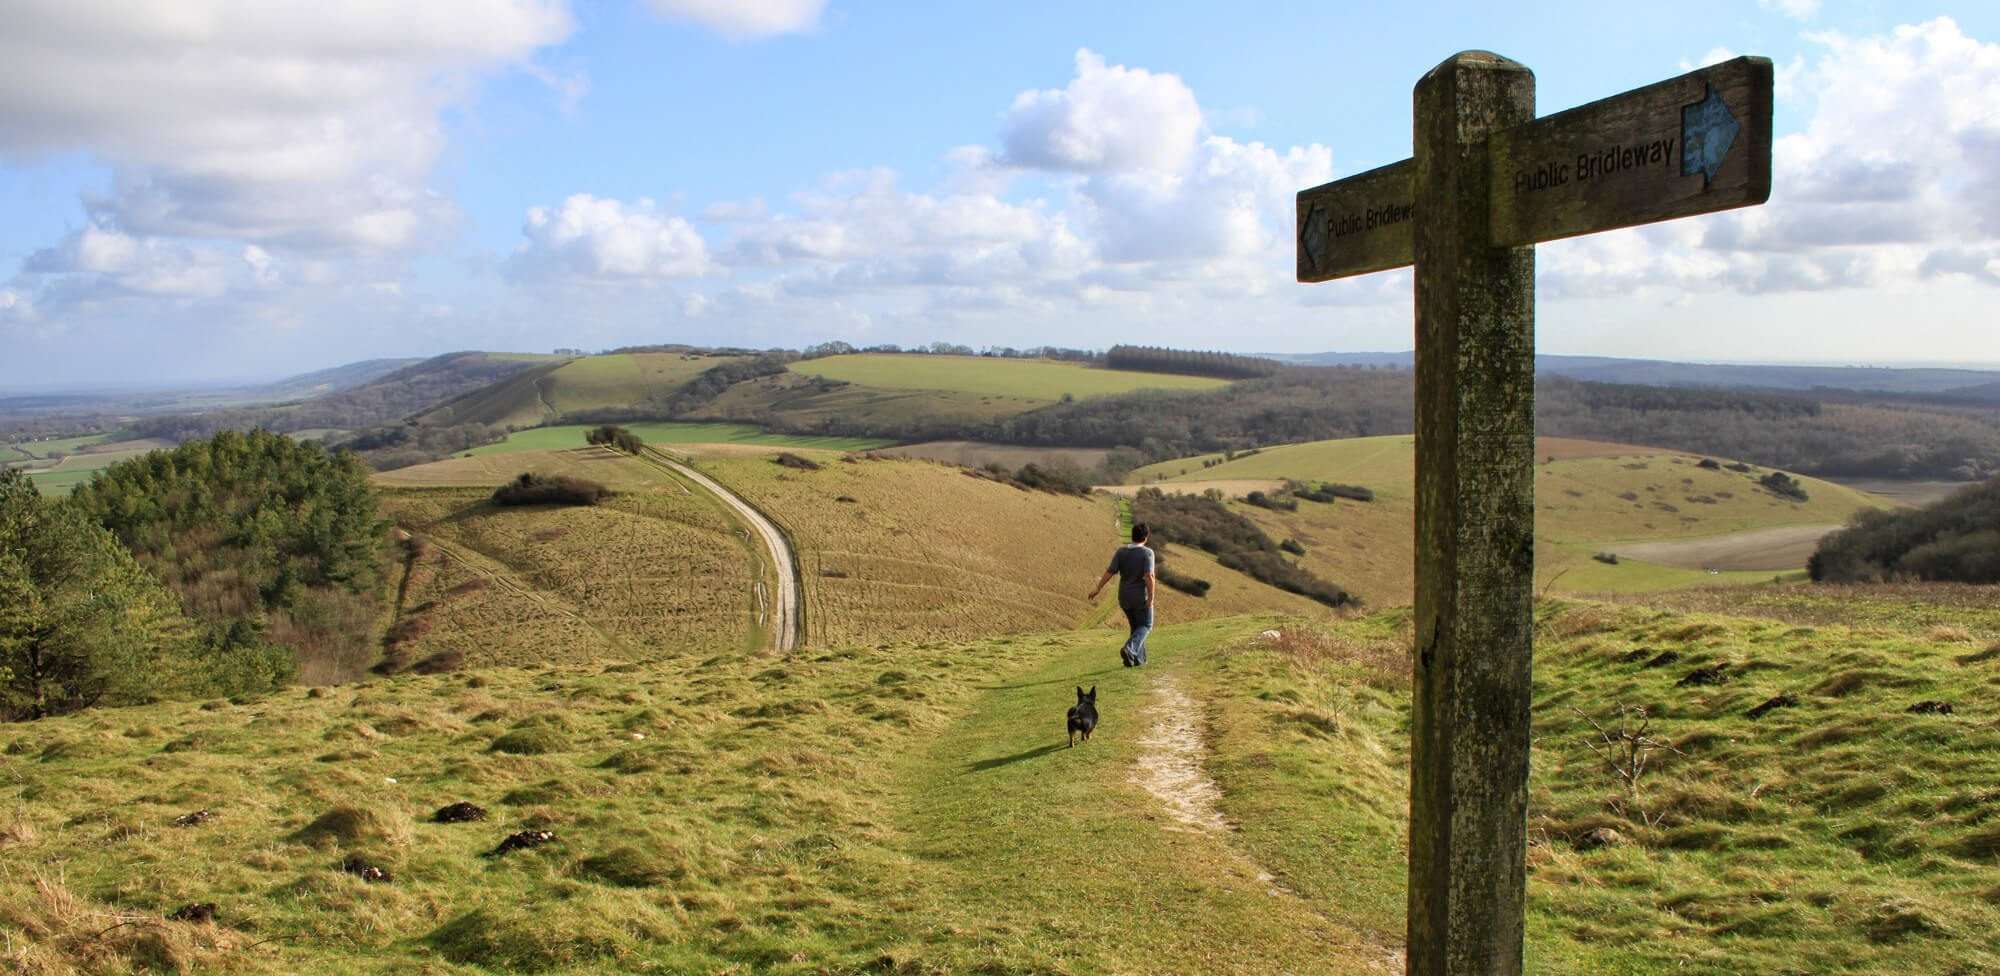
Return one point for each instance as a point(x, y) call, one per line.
point(594, 239)
point(307, 126)
point(1109, 118)
point(1894, 177)
point(97, 262)
point(744, 18)
point(1795, 9)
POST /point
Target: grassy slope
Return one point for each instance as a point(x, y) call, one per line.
point(588, 383)
point(663, 433)
point(1580, 510)
point(1840, 835)
point(910, 808)
point(81, 457)
point(1032, 379)
point(660, 568)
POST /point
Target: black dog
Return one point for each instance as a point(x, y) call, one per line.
point(1083, 714)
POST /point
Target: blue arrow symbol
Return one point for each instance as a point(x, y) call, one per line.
point(1708, 129)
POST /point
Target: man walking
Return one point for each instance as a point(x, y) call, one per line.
point(1133, 565)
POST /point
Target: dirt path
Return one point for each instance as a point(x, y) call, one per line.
point(788, 622)
point(1170, 768)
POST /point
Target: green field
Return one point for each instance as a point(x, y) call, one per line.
point(57, 445)
point(571, 435)
point(81, 458)
point(1033, 379)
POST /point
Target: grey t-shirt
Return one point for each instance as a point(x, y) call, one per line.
point(1132, 563)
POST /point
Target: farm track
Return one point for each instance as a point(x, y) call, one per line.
point(539, 597)
point(788, 627)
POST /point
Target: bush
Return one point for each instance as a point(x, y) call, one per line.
point(1327, 492)
point(1293, 546)
point(1710, 464)
point(1607, 558)
point(787, 459)
point(544, 489)
point(1783, 485)
point(615, 437)
point(1186, 584)
point(1262, 500)
point(1956, 539)
point(1235, 541)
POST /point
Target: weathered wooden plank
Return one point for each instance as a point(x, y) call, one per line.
point(1688, 145)
point(1475, 534)
point(1357, 225)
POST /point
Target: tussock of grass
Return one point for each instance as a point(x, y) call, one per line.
point(352, 826)
point(53, 932)
point(535, 736)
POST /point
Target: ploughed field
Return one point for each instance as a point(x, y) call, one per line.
point(1672, 521)
point(894, 806)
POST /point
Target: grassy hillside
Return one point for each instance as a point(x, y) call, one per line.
point(548, 392)
point(659, 569)
point(1030, 379)
point(1591, 497)
point(911, 808)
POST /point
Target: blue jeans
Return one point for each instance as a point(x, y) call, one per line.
point(1134, 651)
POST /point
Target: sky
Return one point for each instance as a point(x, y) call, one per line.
point(232, 189)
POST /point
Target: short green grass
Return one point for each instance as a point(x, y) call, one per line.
point(1035, 379)
point(912, 808)
point(664, 433)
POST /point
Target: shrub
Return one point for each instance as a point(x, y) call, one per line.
point(1607, 558)
point(787, 459)
point(1186, 584)
point(1783, 485)
point(1956, 539)
point(548, 489)
point(1710, 463)
point(1262, 500)
point(618, 438)
point(1293, 546)
point(1326, 492)
point(1235, 541)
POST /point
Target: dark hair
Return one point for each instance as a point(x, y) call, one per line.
point(1140, 532)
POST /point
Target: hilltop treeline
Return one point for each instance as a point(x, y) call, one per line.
point(1797, 432)
point(1235, 542)
point(1189, 362)
point(269, 543)
point(1953, 540)
point(1791, 431)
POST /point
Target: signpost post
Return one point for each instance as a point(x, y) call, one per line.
point(1487, 181)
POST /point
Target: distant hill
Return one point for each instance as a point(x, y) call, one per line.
point(1983, 384)
point(550, 391)
point(387, 399)
point(334, 379)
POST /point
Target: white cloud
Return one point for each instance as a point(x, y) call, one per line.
point(591, 238)
point(1894, 177)
point(1795, 9)
point(95, 262)
point(744, 18)
point(1110, 118)
point(307, 126)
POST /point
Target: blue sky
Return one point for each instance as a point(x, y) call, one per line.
point(224, 188)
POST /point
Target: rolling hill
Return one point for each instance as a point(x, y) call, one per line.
point(1672, 521)
point(551, 390)
point(1970, 383)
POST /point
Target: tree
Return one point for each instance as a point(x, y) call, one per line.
point(80, 621)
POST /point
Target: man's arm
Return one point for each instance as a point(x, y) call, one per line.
point(1151, 578)
point(1106, 578)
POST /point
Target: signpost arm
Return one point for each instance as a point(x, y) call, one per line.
point(1475, 532)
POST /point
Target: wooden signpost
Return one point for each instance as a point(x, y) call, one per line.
point(1486, 182)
